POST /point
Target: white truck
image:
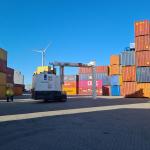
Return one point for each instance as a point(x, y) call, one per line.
point(47, 86)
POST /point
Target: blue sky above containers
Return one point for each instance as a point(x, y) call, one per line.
point(80, 30)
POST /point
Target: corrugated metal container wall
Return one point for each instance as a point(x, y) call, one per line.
point(2, 78)
point(129, 73)
point(128, 58)
point(3, 66)
point(143, 89)
point(143, 74)
point(2, 91)
point(143, 58)
point(128, 89)
point(142, 43)
point(115, 70)
point(10, 75)
point(106, 90)
point(115, 80)
point(107, 80)
point(88, 91)
point(18, 77)
point(71, 78)
point(87, 84)
point(115, 60)
point(115, 90)
point(3, 54)
point(142, 28)
point(99, 69)
point(18, 89)
point(70, 91)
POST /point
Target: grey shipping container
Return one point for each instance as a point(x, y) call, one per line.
point(106, 80)
point(143, 74)
point(71, 77)
point(99, 76)
point(128, 58)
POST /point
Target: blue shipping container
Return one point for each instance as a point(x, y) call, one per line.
point(115, 90)
point(115, 80)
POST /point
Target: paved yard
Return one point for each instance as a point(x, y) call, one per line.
point(79, 124)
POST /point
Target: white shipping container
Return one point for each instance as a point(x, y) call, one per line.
point(18, 77)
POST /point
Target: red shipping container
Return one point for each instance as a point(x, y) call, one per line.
point(10, 75)
point(129, 73)
point(88, 83)
point(106, 90)
point(142, 43)
point(142, 28)
point(3, 66)
point(99, 69)
point(128, 89)
point(88, 91)
point(143, 58)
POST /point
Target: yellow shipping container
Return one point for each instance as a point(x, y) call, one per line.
point(143, 89)
point(3, 78)
point(70, 91)
point(41, 69)
point(2, 91)
point(3, 54)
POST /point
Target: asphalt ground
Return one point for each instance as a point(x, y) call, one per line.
point(81, 123)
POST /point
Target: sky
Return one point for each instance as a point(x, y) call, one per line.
point(79, 30)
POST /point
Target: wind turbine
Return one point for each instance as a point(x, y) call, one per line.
point(43, 52)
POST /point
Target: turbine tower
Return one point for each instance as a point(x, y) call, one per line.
point(43, 52)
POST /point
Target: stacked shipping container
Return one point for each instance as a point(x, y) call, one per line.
point(115, 73)
point(3, 66)
point(85, 80)
point(128, 88)
point(142, 47)
point(71, 84)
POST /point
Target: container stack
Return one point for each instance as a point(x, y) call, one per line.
point(142, 47)
point(3, 66)
point(85, 80)
point(71, 84)
point(128, 88)
point(115, 73)
point(18, 83)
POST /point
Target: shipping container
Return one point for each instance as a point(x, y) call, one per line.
point(106, 90)
point(99, 76)
point(115, 60)
point(128, 58)
point(10, 75)
point(142, 43)
point(2, 91)
point(71, 78)
point(70, 91)
point(115, 80)
point(142, 28)
point(18, 89)
point(143, 58)
point(3, 66)
point(99, 69)
point(18, 77)
point(115, 90)
point(115, 70)
point(143, 74)
point(3, 54)
point(129, 73)
point(88, 83)
point(88, 91)
point(106, 80)
point(128, 89)
point(2, 78)
point(143, 89)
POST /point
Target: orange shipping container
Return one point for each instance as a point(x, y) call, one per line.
point(115, 60)
point(142, 28)
point(18, 90)
point(142, 43)
point(129, 73)
point(143, 89)
point(128, 89)
point(115, 70)
point(143, 58)
point(70, 84)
